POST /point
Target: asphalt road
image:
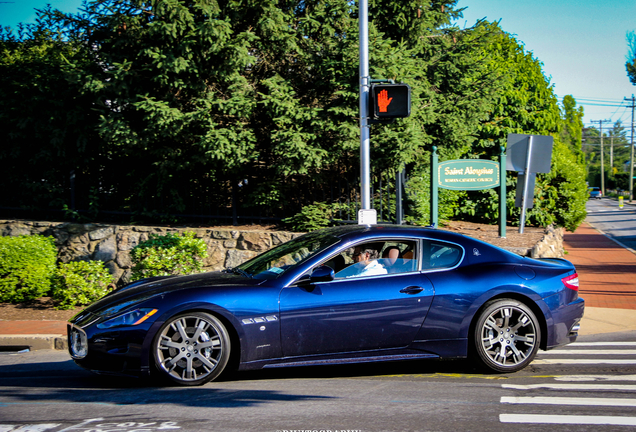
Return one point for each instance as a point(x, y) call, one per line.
point(618, 223)
point(587, 386)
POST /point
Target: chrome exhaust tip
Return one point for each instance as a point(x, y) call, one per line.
point(574, 331)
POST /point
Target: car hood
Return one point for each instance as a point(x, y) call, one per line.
point(139, 291)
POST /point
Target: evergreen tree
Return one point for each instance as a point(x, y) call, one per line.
point(46, 122)
point(202, 107)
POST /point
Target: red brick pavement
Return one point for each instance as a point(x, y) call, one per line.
point(607, 271)
point(32, 327)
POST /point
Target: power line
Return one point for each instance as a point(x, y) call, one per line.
point(596, 101)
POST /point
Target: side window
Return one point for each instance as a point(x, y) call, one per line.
point(440, 255)
point(375, 258)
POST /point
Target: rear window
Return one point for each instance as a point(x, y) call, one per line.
point(440, 255)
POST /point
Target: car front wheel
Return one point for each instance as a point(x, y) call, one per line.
point(507, 336)
point(192, 349)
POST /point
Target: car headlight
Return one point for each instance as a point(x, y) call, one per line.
point(131, 318)
point(78, 343)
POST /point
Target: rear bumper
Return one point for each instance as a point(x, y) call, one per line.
point(566, 323)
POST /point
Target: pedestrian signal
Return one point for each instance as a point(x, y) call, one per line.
point(390, 101)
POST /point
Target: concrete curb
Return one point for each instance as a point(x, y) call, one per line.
point(35, 341)
point(624, 246)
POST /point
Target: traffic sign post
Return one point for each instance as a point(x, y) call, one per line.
point(528, 155)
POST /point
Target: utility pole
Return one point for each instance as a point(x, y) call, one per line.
point(631, 157)
point(612, 151)
point(600, 122)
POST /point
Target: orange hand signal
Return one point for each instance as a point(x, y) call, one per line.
point(384, 101)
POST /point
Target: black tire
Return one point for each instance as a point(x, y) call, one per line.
point(191, 349)
point(507, 336)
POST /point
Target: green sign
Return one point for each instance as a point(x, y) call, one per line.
point(468, 174)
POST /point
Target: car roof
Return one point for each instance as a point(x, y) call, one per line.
point(381, 230)
point(355, 233)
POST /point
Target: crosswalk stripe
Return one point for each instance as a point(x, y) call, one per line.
point(579, 353)
point(559, 386)
point(575, 344)
point(567, 419)
point(584, 361)
point(590, 352)
point(540, 400)
point(595, 378)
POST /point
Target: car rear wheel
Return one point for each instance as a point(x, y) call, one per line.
point(192, 349)
point(507, 336)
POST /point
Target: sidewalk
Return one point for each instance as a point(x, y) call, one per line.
point(607, 275)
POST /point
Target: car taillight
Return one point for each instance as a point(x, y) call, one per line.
point(571, 282)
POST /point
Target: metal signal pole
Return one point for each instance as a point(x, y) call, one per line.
point(365, 133)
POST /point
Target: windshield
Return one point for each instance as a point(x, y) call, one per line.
point(277, 261)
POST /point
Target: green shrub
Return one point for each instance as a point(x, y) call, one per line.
point(561, 194)
point(80, 283)
point(27, 264)
point(167, 255)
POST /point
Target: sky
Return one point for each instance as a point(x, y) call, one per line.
point(13, 12)
point(581, 43)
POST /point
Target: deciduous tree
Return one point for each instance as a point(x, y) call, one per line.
point(630, 63)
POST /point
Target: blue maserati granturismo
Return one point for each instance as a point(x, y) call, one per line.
point(339, 295)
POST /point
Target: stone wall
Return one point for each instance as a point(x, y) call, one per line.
point(226, 247)
point(551, 245)
point(112, 243)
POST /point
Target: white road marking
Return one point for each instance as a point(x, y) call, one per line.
point(595, 378)
point(569, 401)
point(575, 344)
point(28, 427)
point(558, 386)
point(567, 419)
point(590, 352)
point(580, 353)
point(584, 361)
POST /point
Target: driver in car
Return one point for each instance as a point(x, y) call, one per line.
point(366, 262)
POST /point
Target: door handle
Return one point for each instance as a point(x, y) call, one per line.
point(412, 290)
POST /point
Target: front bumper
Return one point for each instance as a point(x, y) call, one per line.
point(111, 352)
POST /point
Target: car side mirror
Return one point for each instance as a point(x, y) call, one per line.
point(322, 274)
